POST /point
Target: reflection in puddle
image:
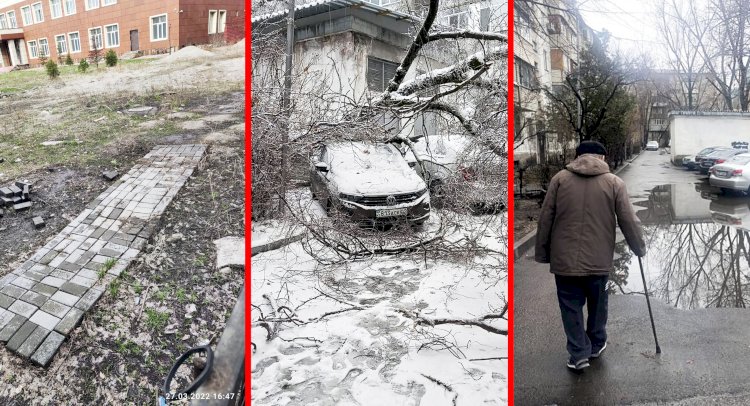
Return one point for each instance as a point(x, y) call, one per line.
point(698, 248)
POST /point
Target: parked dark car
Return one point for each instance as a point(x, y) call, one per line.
point(717, 157)
point(370, 182)
point(702, 154)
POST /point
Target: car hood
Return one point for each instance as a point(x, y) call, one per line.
point(378, 181)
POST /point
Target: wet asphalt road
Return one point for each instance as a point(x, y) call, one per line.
point(705, 356)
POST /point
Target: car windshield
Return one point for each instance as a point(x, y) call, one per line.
point(358, 156)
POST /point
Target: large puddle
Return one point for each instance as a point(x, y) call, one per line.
point(698, 248)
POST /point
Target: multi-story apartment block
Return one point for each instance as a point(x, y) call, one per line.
point(548, 38)
point(34, 29)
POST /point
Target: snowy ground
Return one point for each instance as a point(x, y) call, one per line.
point(349, 334)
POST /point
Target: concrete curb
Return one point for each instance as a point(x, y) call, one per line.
point(527, 241)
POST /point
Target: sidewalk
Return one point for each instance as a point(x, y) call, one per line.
point(704, 351)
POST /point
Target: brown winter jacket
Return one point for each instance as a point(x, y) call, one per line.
point(576, 231)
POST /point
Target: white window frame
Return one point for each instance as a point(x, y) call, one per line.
point(45, 54)
point(52, 9)
point(41, 12)
point(101, 38)
point(87, 6)
point(151, 27)
point(3, 22)
point(30, 21)
point(69, 11)
point(221, 24)
point(12, 23)
point(61, 52)
point(458, 14)
point(106, 36)
point(33, 49)
point(213, 23)
point(70, 42)
point(106, 3)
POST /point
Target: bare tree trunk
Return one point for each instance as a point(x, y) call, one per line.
point(286, 102)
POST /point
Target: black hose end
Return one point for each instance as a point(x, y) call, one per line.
point(658, 350)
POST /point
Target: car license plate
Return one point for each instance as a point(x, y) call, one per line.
point(721, 173)
point(390, 213)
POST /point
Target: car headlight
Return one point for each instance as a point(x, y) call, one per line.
point(351, 198)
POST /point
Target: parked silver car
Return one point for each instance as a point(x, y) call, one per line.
point(733, 174)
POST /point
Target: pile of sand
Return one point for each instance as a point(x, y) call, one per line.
point(188, 53)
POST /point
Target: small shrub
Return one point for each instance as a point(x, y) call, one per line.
point(83, 66)
point(43, 59)
point(110, 58)
point(52, 70)
point(68, 60)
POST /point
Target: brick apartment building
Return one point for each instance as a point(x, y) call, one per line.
point(30, 29)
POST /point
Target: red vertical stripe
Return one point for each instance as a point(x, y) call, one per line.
point(511, 173)
point(248, 196)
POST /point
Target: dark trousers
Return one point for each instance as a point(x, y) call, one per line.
point(572, 293)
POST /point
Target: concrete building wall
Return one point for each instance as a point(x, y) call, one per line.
point(691, 133)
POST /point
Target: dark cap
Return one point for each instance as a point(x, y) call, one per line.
point(591, 147)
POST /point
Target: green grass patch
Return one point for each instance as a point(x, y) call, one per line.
point(156, 320)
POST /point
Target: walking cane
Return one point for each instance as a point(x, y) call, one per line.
point(648, 303)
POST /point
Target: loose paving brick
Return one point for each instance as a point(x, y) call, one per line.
point(21, 335)
point(48, 296)
point(48, 349)
point(33, 341)
point(10, 329)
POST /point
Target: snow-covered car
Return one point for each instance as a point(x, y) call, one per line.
point(652, 146)
point(733, 174)
point(454, 164)
point(370, 182)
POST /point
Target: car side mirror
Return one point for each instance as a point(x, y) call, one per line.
point(321, 167)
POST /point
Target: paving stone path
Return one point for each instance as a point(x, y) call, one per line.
point(44, 299)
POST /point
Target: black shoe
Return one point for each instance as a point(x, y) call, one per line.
point(578, 365)
point(598, 354)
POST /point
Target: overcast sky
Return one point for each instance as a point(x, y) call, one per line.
point(632, 24)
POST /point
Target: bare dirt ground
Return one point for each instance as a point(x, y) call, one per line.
point(525, 216)
point(172, 298)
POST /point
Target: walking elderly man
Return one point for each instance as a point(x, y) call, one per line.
point(576, 236)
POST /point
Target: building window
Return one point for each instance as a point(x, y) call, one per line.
point(92, 4)
point(95, 38)
point(159, 27)
point(217, 21)
point(109, 2)
point(43, 47)
point(379, 73)
point(26, 15)
point(3, 22)
point(222, 21)
point(70, 7)
point(484, 19)
point(38, 14)
point(75, 42)
point(526, 76)
point(61, 45)
point(457, 20)
point(113, 35)
point(55, 8)
point(213, 19)
point(12, 23)
point(33, 51)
